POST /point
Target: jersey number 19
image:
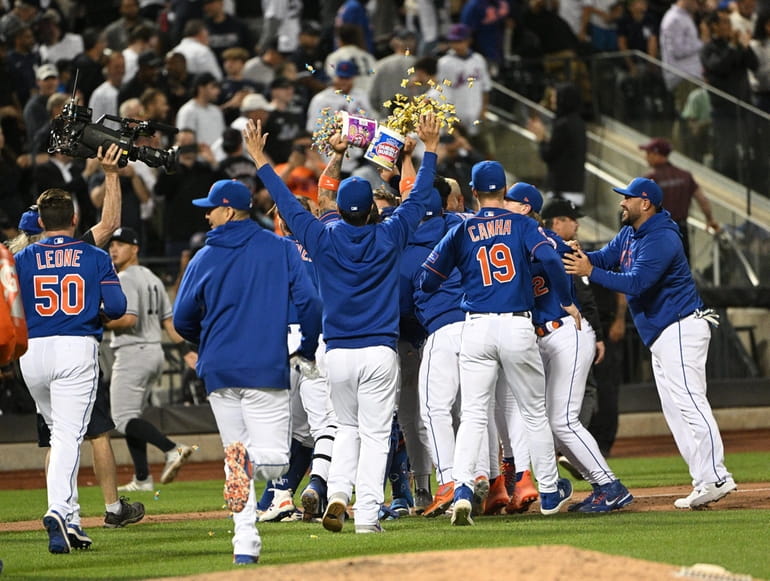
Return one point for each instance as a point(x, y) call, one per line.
point(495, 262)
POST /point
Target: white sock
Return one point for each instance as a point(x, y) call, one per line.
point(114, 508)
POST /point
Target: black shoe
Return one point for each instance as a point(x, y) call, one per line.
point(129, 513)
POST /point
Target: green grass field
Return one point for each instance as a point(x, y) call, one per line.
point(734, 539)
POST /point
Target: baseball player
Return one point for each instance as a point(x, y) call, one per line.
point(138, 364)
point(493, 250)
point(357, 265)
point(66, 284)
point(671, 320)
point(247, 381)
point(567, 353)
point(312, 419)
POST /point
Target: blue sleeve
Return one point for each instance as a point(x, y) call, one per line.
point(405, 286)
point(407, 216)
point(650, 262)
point(440, 262)
point(305, 298)
point(608, 257)
point(557, 276)
point(113, 299)
point(306, 227)
point(188, 311)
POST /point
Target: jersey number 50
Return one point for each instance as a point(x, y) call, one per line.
point(53, 294)
point(496, 262)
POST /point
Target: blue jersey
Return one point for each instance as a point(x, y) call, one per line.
point(307, 262)
point(654, 274)
point(442, 307)
point(547, 305)
point(358, 266)
point(234, 302)
point(64, 282)
point(493, 251)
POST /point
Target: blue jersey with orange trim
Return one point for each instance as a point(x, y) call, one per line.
point(307, 262)
point(493, 251)
point(547, 306)
point(64, 283)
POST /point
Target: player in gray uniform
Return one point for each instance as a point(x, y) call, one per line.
point(139, 360)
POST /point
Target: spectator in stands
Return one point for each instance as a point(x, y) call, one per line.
point(760, 78)
point(599, 24)
point(147, 77)
point(727, 59)
point(308, 58)
point(14, 198)
point(487, 21)
point(353, 12)
point(744, 17)
point(564, 152)
point(117, 33)
point(38, 147)
point(470, 88)
point(195, 47)
point(286, 121)
point(35, 111)
point(389, 71)
point(23, 13)
point(679, 188)
point(350, 49)
point(201, 114)
point(135, 193)
point(23, 59)
point(225, 31)
point(456, 158)
point(680, 46)
point(234, 86)
point(192, 180)
point(177, 81)
point(55, 42)
point(89, 63)
point(280, 25)
point(155, 105)
point(104, 99)
point(139, 41)
point(261, 68)
point(236, 165)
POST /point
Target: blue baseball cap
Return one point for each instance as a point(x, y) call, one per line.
point(354, 195)
point(230, 193)
point(643, 188)
point(487, 176)
point(346, 69)
point(526, 194)
point(434, 206)
point(28, 223)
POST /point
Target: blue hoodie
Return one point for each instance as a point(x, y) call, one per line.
point(442, 307)
point(654, 274)
point(357, 266)
point(234, 302)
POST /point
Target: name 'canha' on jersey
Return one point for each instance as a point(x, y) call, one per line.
point(484, 230)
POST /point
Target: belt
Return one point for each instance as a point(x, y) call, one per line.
point(549, 327)
point(526, 314)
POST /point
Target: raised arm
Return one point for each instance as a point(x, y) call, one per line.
point(110, 220)
point(330, 178)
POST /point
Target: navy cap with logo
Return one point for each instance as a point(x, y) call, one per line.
point(354, 195)
point(346, 69)
point(526, 194)
point(561, 209)
point(487, 176)
point(230, 193)
point(28, 223)
point(643, 188)
point(125, 234)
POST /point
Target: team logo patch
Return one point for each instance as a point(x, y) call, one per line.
point(432, 257)
point(58, 240)
point(489, 214)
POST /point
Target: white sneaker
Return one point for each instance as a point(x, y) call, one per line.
point(135, 485)
point(281, 507)
point(175, 459)
point(706, 494)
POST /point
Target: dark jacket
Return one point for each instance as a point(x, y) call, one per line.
point(565, 152)
point(726, 68)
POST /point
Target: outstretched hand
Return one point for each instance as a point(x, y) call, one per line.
point(255, 142)
point(577, 263)
point(110, 158)
point(428, 130)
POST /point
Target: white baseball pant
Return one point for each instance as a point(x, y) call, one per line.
point(62, 375)
point(261, 419)
point(363, 389)
point(679, 365)
point(135, 370)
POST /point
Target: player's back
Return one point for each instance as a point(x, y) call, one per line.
point(64, 282)
point(493, 251)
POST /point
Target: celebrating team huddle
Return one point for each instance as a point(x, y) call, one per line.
point(507, 345)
